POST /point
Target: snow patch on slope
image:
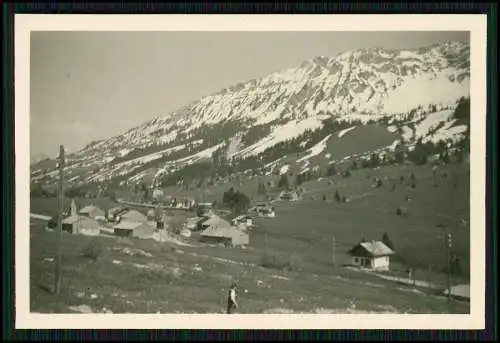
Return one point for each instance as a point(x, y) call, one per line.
point(392, 128)
point(345, 131)
point(234, 146)
point(282, 133)
point(316, 150)
point(419, 90)
point(431, 121)
point(284, 169)
point(407, 133)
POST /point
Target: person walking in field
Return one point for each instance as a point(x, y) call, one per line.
point(232, 304)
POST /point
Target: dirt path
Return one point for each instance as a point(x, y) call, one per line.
point(406, 281)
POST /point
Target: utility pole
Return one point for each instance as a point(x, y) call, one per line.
point(333, 250)
point(448, 269)
point(59, 220)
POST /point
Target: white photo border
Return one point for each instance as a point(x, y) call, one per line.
point(474, 23)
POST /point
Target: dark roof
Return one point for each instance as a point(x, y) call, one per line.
point(373, 248)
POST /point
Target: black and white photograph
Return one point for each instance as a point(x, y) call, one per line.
point(226, 171)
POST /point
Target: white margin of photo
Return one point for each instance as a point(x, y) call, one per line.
point(475, 24)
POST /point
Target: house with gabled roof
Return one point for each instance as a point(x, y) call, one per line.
point(81, 225)
point(133, 216)
point(227, 235)
point(91, 211)
point(133, 229)
point(373, 255)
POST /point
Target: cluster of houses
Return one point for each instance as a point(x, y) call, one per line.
point(212, 229)
point(125, 222)
point(92, 221)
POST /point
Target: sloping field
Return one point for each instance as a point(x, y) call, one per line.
point(308, 226)
point(133, 276)
point(195, 279)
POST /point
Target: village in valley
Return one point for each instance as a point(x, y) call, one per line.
point(363, 213)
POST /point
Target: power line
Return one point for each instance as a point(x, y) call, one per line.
point(448, 271)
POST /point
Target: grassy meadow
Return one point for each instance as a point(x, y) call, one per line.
point(194, 278)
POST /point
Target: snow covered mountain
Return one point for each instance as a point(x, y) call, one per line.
point(412, 93)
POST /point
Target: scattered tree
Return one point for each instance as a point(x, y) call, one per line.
point(237, 201)
point(374, 160)
point(261, 188)
point(337, 196)
point(283, 182)
point(455, 265)
point(400, 211)
point(332, 170)
point(354, 165)
point(387, 241)
point(299, 179)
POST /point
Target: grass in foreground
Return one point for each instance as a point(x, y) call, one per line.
point(192, 280)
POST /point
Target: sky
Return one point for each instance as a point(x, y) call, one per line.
point(86, 86)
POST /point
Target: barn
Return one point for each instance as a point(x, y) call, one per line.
point(133, 229)
point(133, 216)
point(371, 255)
point(81, 225)
point(91, 211)
point(229, 236)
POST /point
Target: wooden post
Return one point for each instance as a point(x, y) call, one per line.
point(59, 220)
point(333, 250)
point(448, 269)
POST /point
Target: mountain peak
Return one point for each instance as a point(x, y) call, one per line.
point(366, 84)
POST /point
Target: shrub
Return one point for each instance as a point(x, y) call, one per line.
point(93, 250)
point(275, 261)
point(387, 241)
point(270, 260)
point(337, 196)
point(283, 182)
point(125, 241)
point(157, 273)
point(237, 201)
point(400, 211)
point(294, 263)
